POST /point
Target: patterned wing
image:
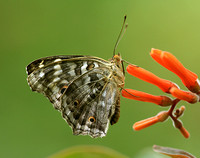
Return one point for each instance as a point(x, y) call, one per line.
point(90, 102)
point(49, 75)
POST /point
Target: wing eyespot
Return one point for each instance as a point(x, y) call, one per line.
point(92, 119)
point(63, 89)
point(76, 102)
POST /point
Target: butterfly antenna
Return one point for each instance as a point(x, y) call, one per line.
point(127, 62)
point(121, 34)
point(130, 93)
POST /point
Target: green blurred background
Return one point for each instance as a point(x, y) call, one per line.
point(30, 29)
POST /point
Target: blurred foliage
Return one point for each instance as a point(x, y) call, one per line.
point(88, 152)
point(38, 28)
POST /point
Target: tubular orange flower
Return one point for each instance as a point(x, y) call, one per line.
point(166, 59)
point(147, 76)
point(145, 123)
point(142, 96)
point(184, 95)
point(160, 117)
point(189, 79)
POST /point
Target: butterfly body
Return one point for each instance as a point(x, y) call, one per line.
point(85, 89)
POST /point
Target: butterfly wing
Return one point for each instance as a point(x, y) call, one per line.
point(81, 88)
point(49, 75)
point(89, 102)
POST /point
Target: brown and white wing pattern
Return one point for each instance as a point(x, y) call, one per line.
point(88, 104)
point(82, 88)
point(48, 75)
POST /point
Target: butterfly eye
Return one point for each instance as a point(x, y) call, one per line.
point(92, 119)
point(63, 89)
point(76, 102)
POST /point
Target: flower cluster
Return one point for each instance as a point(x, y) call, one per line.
point(189, 79)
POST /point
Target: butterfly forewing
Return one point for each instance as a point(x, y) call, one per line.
point(82, 88)
point(49, 75)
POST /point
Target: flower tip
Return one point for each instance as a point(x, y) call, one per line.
point(155, 52)
point(179, 112)
point(193, 86)
point(184, 132)
point(152, 50)
point(182, 108)
point(136, 128)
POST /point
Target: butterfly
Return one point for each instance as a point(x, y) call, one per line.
point(85, 89)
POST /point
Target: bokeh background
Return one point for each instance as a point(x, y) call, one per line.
point(29, 125)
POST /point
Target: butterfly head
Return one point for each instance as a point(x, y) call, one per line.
point(117, 60)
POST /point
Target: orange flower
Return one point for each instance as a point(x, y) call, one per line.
point(189, 79)
point(147, 76)
point(160, 117)
point(166, 59)
point(142, 96)
point(184, 95)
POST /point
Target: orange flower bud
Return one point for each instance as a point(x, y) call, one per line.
point(160, 117)
point(184, 95)
point(142, 96)
point(179, 112)
point(183, 131)
point(147, 76)
point(166, 59)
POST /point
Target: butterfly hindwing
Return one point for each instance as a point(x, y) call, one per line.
point(89, 102)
